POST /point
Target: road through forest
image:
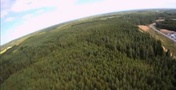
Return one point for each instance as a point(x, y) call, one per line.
point(153, 27)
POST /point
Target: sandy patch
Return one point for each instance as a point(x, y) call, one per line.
point(159, 20)
point(165, 50)
point(3, 51)
point(143, 28)
point(165, 31)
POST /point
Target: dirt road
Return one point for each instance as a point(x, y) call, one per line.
point(153, 28)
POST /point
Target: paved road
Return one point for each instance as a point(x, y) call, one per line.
point(153, 27)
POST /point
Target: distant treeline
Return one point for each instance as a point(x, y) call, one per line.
point(167, 24)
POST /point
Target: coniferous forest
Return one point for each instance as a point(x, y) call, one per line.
point(167, 24)
point(98, 53)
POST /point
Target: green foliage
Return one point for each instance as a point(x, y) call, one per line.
point(167, 24)
point(106, 54)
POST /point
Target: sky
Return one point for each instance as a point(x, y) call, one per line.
point(21, 17)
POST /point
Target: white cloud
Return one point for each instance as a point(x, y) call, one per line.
point(27, 17)
point(173, 1)
point(5, 4)
point(5, 7)
point(40, 11)
point(4, 13)
point(9, 19)
point(24, 5)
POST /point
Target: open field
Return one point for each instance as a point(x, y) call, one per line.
point(165, 31)
point(9, 45)
point(144, 28)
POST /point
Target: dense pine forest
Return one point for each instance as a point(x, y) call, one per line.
point(99, 53)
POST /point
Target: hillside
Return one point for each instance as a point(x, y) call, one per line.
point(106, 52)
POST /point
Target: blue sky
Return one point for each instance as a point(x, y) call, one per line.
point(21, 17)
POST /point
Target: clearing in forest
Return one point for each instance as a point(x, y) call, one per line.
point(165, 31)
point(143, 28)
